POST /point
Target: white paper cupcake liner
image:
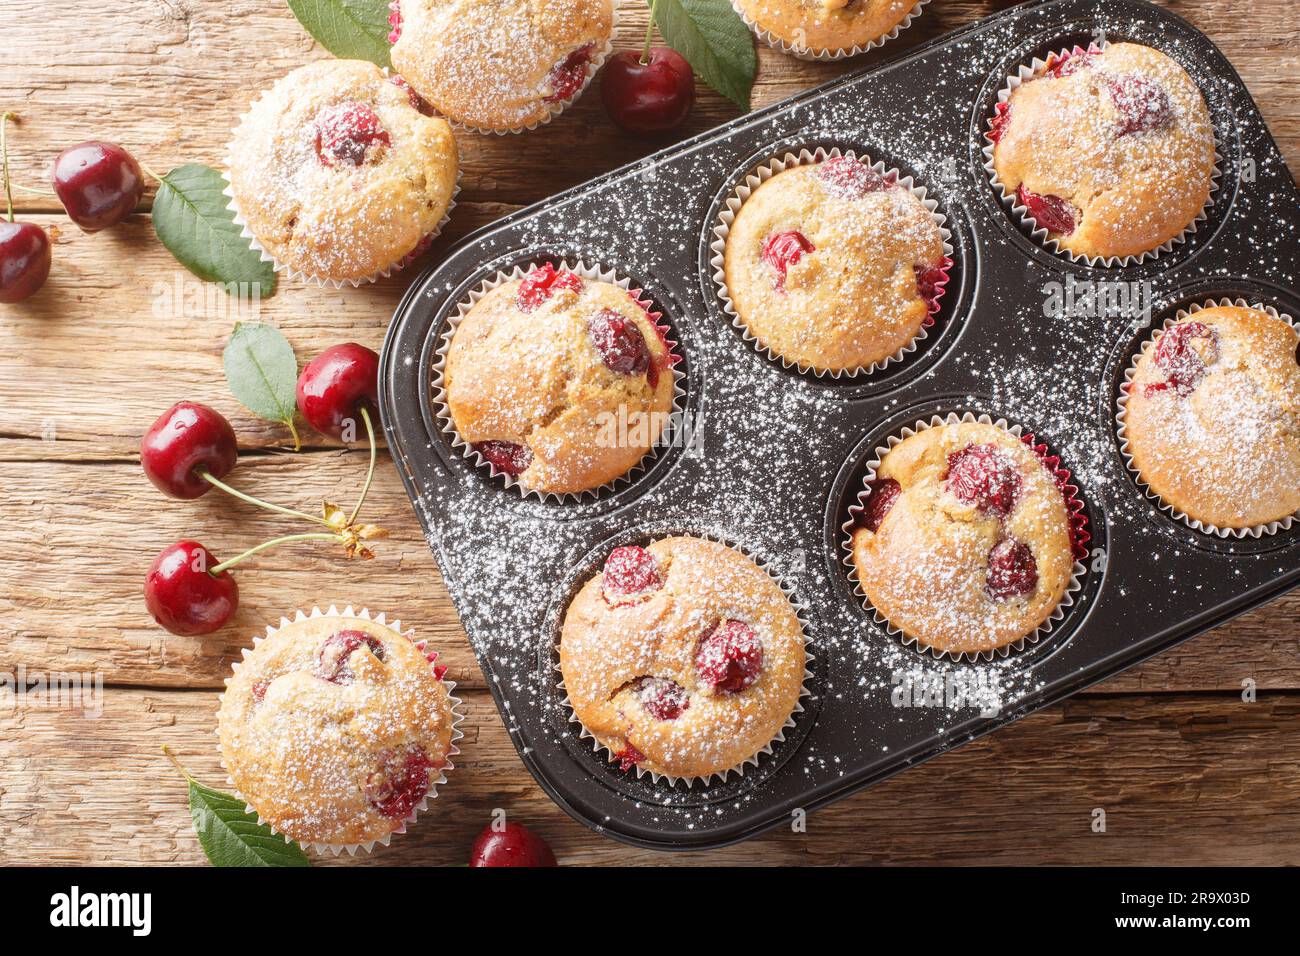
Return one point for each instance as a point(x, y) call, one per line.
point(761, 174)
point(827, 55)
point(1031, 71)
point(1121, 414)
point(1080, 534)
point(442, 409)
point(800, 610)
point(456, 734)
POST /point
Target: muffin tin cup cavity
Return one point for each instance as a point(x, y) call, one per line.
point(1080, 535)
point(442, 410)
point(395, 626)
point(1032, 71)
point(1121, 412)
point(805, 53)
point(718, 777)
point(764, 172)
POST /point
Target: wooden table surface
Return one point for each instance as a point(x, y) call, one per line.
point(1186, 771)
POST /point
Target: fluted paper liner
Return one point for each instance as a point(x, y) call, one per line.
point(828, 55)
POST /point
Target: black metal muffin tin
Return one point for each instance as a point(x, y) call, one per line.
point(783, 453)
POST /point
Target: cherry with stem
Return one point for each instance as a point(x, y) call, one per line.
point(25, 251)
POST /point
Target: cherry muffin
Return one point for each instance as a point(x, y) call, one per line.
point(337, 175)
point(500, 65)
point(335, 728)
point(1212, 417)
point(964, 539)
point(1111, 151)
point(824, 28)
point(683, 658)
point(562, 382)
point(833, 266)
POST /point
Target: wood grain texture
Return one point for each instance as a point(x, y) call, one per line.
point(1186, 772)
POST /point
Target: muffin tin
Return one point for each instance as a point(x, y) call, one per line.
point(771, 459)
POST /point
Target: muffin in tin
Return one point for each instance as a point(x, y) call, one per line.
point(563, 382)
point(335, 728)
point(338, 175)
point(684, 658)
point(832, 266)
point(964, 540)
point(1111, 151)
point(1212, 417)
point(500, 65)
point(825, 26)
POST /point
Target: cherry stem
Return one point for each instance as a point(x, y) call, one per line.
point(286, 539)
point(370, 474)
point(35, 192)
point(649, 35)
point(5, 117)
point(150, 171)
point(218, 483)
point(167, 751)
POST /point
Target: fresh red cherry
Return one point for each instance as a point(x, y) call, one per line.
point(347, 132)
point(1012, 570)
point(984, 476)
point(400, 782)
point(880, 501)
point(512, 845)
point(542, 282)
point(99, 184)
point(24, 260)
point(620, 343)
point(850, 178)
point(1182, 353)
point(730, 657)
point(662, 698)
point(645, 98)
point(185, 441)
point(336, 650)
point(335, 385)
point(1140, 104)
point(1051, 212)
point(505, 457)
point(567, 76)
point(781, 250)
point(630, 572)
point(184, 596)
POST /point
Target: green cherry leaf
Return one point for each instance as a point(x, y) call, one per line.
point(263, 373)
point(192, 218)
point(350, 29)
point(231, 836)
point(715, 42)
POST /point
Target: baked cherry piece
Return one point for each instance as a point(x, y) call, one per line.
point(1012, 570)
point(395, 21)
point(332, 658)
point(346, 133)
point(542, 282)
point(880, 501)
point(1001, 120)
point(416, 100)
point(630, 573)
point(1072, 62)
point(850, 178)
point(1140, 104)
point(620, 343)
point(335, 385)
point(730, 657)
point(662, 698)
point(511, 845)
point(24, 260)
point(647, 97)
point(1051, 212)
point(99, 184)
point(1182, 353)
point(567, 76)
point(781, 250)
point(187, 440)
point(984, 476)
point(184, 596)
point(400, 782)
point(628, 757)
point(928, 279)
point(505, 457)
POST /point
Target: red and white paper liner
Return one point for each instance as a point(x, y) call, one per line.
point(828, 55)
point(764, 172)
point(800, 610)
point(1121, 414)
point(442, 410)
point(438, 672)
point(1032, 71)
point(1077, 516)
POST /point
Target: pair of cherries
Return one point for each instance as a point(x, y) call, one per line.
point(191, 448)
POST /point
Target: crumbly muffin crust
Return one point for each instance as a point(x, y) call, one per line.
point(499, 64)
point(974, 552)
point(1120, 145)
point(1212, 417)
point(570, 375)
point(646, 666)
point(351, 212)
point(826, 25)
point(845, 292)
point(329, 743)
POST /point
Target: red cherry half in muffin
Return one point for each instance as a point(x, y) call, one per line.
point(630, 573)
point(400, 782)
point(629, 757)
point(929, 282)
point(1067, 64)
point(781, 250)
point(850, 178)
point(882, 494)
point(620, 343)
point(1001, 120)
point(662, 698)
point(1053, 213)
point(505, 457)
point(345, 133)
point(567, 76)
point(984, 476)
point(542, 282)
point(332, 658)
point(1141, 104)
point(730, 657)
point(395, 21)
point(1012, 570)
point(1183, 353)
